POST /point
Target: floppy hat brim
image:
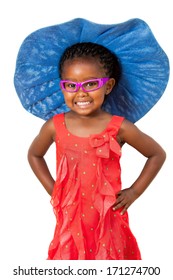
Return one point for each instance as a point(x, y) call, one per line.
point(144, 64)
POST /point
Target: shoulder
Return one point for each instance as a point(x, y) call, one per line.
point(48, 128)
point(48, 124)
point(126, 124)
point(51, 123)
point(127, 127)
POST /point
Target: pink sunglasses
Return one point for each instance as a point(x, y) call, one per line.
point(87, 86)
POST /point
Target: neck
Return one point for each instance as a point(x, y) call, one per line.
point(95, 114)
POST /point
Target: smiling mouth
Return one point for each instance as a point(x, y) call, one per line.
point(83, 104)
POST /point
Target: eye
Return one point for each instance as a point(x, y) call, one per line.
point(91, 84)
point(69, 86)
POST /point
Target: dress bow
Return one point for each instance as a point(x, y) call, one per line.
point(106, 142)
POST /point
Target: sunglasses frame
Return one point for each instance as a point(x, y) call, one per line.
point(101, 81)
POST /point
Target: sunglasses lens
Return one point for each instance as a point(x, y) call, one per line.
point(69, 86)
point(91, 85)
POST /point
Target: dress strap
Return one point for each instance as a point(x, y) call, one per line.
point(117, 121)
point(58, 121)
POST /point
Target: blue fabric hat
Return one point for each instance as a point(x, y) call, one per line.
point(145, 66)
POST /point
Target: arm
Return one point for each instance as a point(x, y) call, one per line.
point(155, 155)
point(36, 153)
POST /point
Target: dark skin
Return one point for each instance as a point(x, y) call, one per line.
point(85, 118)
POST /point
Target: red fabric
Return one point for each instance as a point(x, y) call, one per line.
point(88, 178)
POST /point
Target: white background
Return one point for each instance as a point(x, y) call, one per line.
point(26, 218)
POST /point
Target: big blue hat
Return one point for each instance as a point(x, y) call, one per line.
point(144, 64)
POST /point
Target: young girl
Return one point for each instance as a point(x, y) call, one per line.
point(87, 196)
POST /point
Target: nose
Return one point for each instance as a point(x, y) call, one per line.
point(81, 93)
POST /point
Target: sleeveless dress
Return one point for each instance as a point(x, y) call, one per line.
point(88, 178)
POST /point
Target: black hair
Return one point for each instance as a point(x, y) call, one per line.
point(87, 49)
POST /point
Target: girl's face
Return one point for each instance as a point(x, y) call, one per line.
point(80, 70)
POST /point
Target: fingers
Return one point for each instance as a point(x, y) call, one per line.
point(120, 201)
point(121, 205)
point(124, 210)
point(124, 200)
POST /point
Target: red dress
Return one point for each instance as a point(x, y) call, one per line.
point(88, 178)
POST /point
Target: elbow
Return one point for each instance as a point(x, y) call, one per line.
point(33, 157)
point(163, 156)
point(29, 156)
point(159, 158)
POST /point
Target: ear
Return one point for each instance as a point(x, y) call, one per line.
point(109, 85)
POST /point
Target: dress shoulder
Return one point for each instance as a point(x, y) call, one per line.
point(117, 121)
point(58, 120)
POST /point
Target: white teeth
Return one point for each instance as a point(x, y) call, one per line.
point(83, 103)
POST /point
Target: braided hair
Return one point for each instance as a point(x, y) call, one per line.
point(83, 50)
